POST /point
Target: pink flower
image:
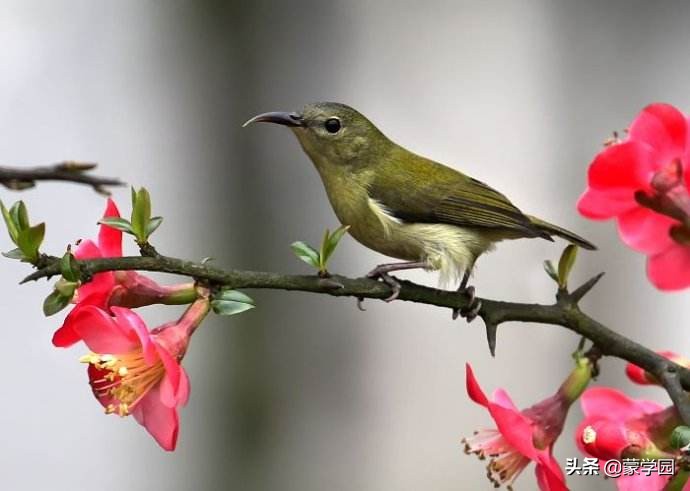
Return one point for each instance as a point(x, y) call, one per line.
point(134, 371)
point(616, 426)
point(657, 144)
point(521, 437)
point(642, 377)
point(119, 288)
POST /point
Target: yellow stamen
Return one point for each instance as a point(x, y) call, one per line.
point(128, 378)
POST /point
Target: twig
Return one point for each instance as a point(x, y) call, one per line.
point(19, 178)
point(564, 312)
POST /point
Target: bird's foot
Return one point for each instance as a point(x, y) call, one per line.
point(381, 273)
point(473, 306)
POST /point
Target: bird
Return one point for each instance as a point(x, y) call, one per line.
point(405, 206)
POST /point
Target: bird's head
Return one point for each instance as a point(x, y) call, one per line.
point(332, 134)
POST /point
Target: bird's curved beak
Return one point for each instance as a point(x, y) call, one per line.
point(286, 119)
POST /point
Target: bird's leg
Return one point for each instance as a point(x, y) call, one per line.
point(472, 310)
point(381, 272)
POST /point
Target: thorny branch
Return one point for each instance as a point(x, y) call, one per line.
point(20, 178)
point(563, 312)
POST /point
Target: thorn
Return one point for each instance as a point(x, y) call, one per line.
point(583, 289)
point(101, 190)
point(360, 306)
point(491, 330)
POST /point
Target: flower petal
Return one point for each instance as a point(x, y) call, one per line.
point(645, 231)
point(170, 384)
point(641, 482)
point(136, 325)
point(663, 127)
point(66, 335)
point(628, 165)
point(161, 421)
point(515, 428)
point(184, 389)
point(473, 389)
point(670, 269)
point(602, 205)
point(100, 332)
point(607, 403)
point(502, 398)
point(549, 474)
point(110, 239)
point(87, 249)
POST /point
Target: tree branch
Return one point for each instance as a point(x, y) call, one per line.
point(20, 178)
point(564, 312)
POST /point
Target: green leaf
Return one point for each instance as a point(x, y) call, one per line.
point(153, 225)
point(322, 256)
point(11, 225)
point(306, 253)
point(20, 215)
point(117, 223)
point(54, 303)
point(565, 264)
point(30, 239)
point(332, 241)
point(66, 288)
point(231, 302)
point(141, 214)
point(680, 437)
point(14, 254)
point(69, 267)
point(550, 270)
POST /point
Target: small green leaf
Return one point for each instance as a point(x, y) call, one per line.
point(141, 214)
point(550, 270)
point(153, 225)
point(231, 302)
point(14, 254)
point(322, 257)
point(565, 264)
point(54, 303)
point(69, 267)
point(66, 288)
point(680, 437)
point(30, 239)
point(332, 242)
point(306, 253)
point(233, 296)
point(117, 223)
point(11, 225)
point(20, 215)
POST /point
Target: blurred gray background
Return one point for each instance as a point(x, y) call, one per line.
point(305, 392)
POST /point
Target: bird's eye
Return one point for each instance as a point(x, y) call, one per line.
point(332, 125)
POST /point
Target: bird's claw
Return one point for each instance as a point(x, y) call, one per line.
point(474, 305)
point(379, 273)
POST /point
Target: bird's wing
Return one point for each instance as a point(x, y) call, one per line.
point(424, 191)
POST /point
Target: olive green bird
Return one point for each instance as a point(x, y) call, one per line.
point(403, 205)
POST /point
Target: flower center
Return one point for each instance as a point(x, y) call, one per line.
point(505, 462)
point(120, 381)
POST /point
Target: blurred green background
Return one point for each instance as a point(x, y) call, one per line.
point(305, 392)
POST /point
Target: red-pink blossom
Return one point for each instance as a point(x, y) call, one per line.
point(616, 426)
point(134, 371)
point(657, 143)
point(642, 377)
point(115, 288)
point(521, 437)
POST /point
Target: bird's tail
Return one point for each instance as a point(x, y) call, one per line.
point(551, 229)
